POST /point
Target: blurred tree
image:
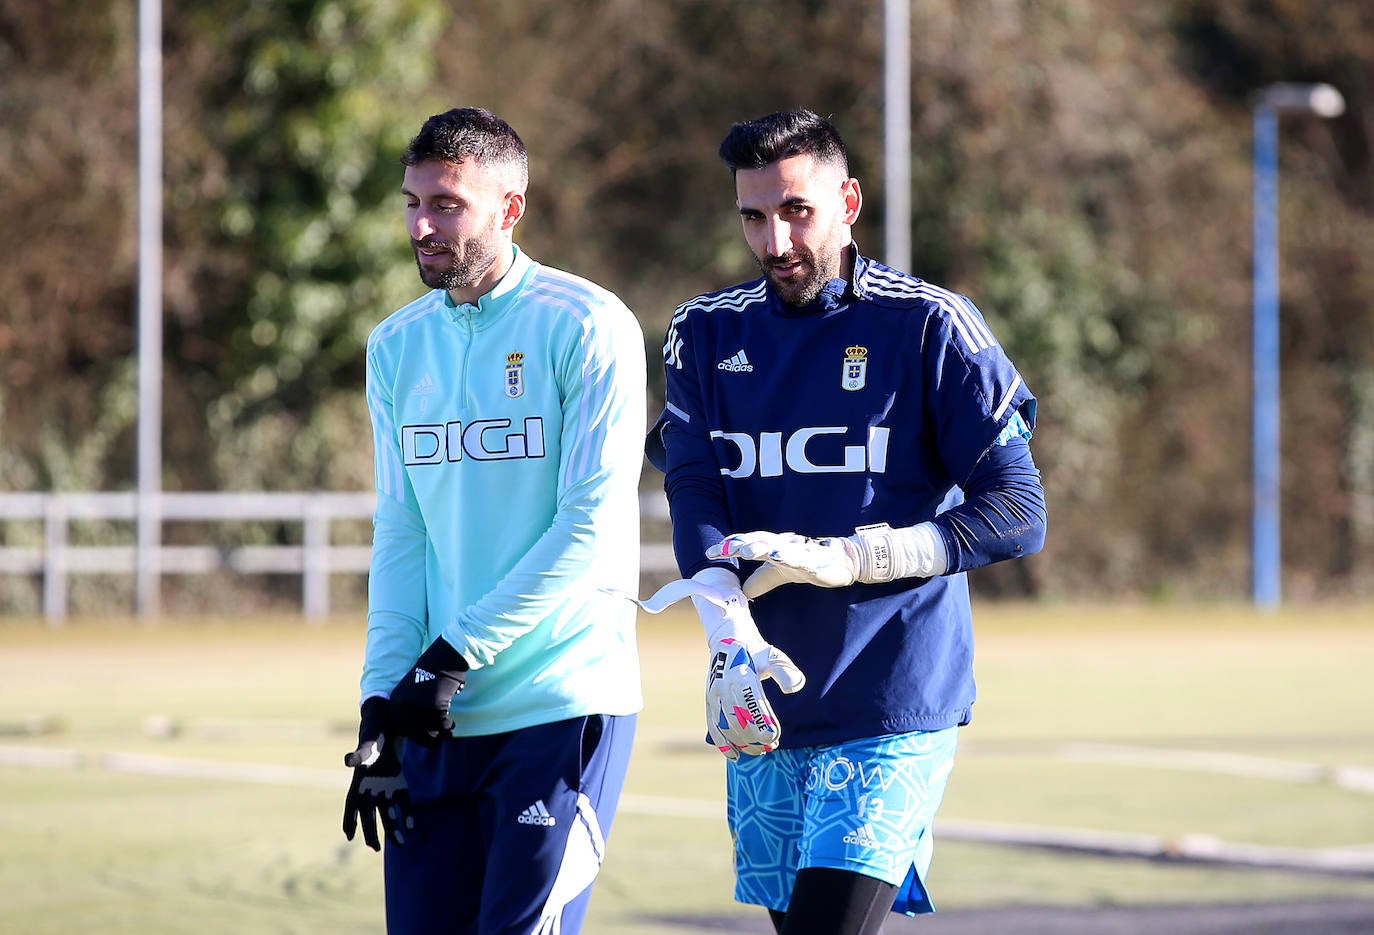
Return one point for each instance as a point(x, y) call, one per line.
point(1327, 316)
point(1080, 168)
point(66, 159)
point(623, 112)
point(1140, 196)
point(282, 125)
point(284, 226)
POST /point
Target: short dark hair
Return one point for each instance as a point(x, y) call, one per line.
point(754, 144)
point(469, 133)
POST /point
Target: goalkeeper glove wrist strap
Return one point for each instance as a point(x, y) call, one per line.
point(886, 554)
point(725, 610)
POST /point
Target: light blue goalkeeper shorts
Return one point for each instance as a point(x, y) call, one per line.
point(864, 805)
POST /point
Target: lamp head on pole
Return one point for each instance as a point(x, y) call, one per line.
point(1320, 99)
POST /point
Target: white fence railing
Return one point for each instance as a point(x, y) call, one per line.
point(316, 559)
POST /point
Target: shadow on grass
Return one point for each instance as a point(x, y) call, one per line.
point(1346, 917)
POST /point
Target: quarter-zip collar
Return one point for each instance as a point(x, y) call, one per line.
point(494, 304)
point(834, 295)
point(858, 281)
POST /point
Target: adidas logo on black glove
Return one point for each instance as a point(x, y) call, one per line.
point(423, 676)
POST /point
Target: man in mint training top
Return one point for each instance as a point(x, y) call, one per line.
point(500, 683)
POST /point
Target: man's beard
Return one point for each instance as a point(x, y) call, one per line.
point(801, 292)
point(478, 255)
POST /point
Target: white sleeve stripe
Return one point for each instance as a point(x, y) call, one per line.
point(592, 431)
point(965, 323)
point(676, 411)
point(417, 309)
point(962, 327)
point(579, 299)
point(963, 316)
point(388, 469)
point(964, 320)
point(672, 348)
point(567, 292)
point(976, 322)
point(891, 277)
point(735, 300)
point(959, 319)
point(672, 344)
point(1007, 398)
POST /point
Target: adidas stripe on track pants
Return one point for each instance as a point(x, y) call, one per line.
point(510, 829)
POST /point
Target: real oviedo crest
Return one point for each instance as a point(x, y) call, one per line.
point(515, 376)
point(855, 367)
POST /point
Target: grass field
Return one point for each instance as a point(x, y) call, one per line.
point(186, 777)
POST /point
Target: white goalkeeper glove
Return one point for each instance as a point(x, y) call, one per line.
point(739, 718)
point(873, 555)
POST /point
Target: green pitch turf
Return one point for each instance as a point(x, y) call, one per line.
point(186, 776)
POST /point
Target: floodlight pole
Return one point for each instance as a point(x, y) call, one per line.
point(148, 564)
point(1323, 101)
point(897, 132)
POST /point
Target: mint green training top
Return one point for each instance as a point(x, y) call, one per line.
point(508, 440)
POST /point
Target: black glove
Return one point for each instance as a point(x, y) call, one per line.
point(419, 702)
point(379, 788)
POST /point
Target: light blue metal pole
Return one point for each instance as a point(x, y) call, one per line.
point(1266, 562)
point(1321, 100)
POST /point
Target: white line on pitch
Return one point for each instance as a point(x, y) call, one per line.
point(1350, 778)
point(1196, 848)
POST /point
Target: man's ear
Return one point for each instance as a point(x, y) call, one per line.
point(514, 210)
point(853, 199)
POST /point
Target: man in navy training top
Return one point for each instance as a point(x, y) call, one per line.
point(841, 442)
point(508, 409)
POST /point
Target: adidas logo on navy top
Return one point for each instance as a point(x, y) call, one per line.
point(422, 676)
point(737, 363)
point(537, 814)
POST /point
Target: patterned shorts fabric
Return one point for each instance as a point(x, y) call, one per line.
point(864, 805)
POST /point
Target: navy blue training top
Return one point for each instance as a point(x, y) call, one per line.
point(873, 404)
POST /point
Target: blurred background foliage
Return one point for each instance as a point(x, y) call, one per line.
point(1080, 168)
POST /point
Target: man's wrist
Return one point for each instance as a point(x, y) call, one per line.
point(718, 577)
point(372, 718)
point(717, 621)
point(886, 554)
point(443, 657)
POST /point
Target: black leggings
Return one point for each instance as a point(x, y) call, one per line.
point(835, 902)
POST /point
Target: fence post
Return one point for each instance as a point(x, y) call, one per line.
point(315, 561)
point(55, 559)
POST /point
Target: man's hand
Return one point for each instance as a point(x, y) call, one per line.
point(378, 789)
point(420, 701)
point(875, 554)
point(789, 558)
point(739, 718)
